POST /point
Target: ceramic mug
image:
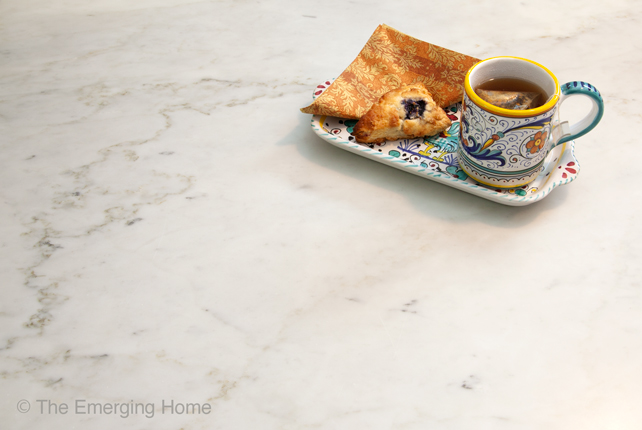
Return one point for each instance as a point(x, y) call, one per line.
point(506, 148)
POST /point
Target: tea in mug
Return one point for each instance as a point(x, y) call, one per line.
point(511, 93)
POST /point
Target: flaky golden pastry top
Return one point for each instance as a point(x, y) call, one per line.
point(403, 113)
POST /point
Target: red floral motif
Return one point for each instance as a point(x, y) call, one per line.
point(570, 168)
point(321, 88)
point(537, 142)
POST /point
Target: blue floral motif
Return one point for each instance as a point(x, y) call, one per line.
point(408, 145)
point(350, 123)
point(457, 172)
point(446, 141)
point(477, 150)
point(451, 160)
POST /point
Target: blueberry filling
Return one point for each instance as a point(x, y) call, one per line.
point(414, 108)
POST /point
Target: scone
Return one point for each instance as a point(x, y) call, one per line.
point(404, 113)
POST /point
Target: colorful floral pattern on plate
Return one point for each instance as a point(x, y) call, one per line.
point(435, 158)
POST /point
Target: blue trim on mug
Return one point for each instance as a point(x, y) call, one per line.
point(593, 118)
point(499, 172)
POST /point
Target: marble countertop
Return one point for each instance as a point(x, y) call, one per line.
point(179, 250)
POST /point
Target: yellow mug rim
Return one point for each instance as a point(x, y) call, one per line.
point(550, 104)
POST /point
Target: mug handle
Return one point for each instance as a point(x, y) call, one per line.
point(563, 132)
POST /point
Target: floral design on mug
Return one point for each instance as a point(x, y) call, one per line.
point(504, 143)
point(536, 142)
point(481, 152)
point(494, 138)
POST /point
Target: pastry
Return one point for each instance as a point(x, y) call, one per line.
point(404, 113)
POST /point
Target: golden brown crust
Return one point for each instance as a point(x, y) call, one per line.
point(389, 118)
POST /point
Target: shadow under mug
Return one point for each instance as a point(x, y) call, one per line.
point(506, 148)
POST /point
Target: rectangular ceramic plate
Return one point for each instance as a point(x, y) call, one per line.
point(435, 158)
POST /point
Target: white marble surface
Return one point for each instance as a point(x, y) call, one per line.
point(172, 229)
